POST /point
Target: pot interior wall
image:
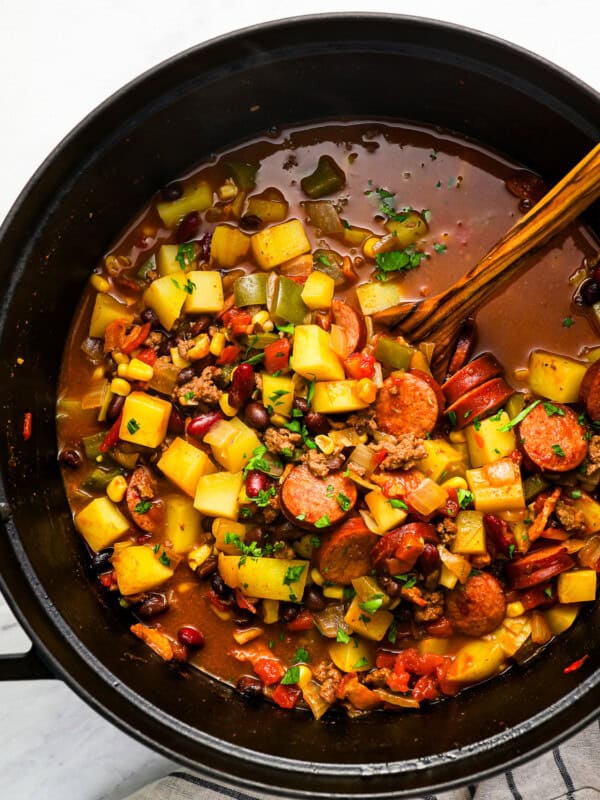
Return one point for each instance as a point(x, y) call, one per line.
point(197, 104)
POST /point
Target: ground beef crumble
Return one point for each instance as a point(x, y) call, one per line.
point(402, 452)
point(447, 530)
point(321, 465)
point(203, 388)
point(363, 422)
point(570, 518)
point(434, 608)
point(592, 465)
point(281, 441)
point(329, 677)
point(378, 677)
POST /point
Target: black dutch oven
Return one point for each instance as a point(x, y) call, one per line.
point(207, 99)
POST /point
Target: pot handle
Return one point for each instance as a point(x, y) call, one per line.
point(23, 666)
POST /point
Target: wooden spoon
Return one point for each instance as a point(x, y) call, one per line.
point(439, 318)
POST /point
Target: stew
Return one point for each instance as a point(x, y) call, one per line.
point(276, 489)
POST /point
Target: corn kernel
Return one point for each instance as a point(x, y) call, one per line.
point(217, 344)
point(305, 676)
point(183, 588)
point(279, 420)
point(457, 437)
point(200, 349)
point(455, 483)
point(245, 635)
point(98, 374)
point(225, 407)
point(122, 370)
point(120, 358)
point(515, 609)
point(198, 556)
point(139, 371)
point(521, 373)
point(366, 390)
point(268, 326)
point(325, 444)
point(335, 592)
point(227, 191)
point(120, 386)
point(316, 577)
point(116, 489)
point(177, 359)
point(100, 284)
point(260, 318)
point(368, 246)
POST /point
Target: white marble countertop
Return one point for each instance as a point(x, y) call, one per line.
point(58, 61)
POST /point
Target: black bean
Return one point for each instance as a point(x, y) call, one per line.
point(288, 611)
point(243, 617)
point(250, 688)
point(204, 242)
point(153, 603)
point(172, 191)
point(207, 524)
point(219, 586)
point(101, 561)
point(115, 406)
point(285, 530)
point(389, 585)
point(250, 222)
point(301, 405)
point(201, 324)
point(164, 349)
point(313, 599)
point(208, 567)
point(316, 423)
point(70, 458)
point(257, 416)
point(590, 292)
point(150, 315)
point(185, 375)
point(176, 422)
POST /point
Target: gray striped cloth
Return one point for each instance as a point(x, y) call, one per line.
point(569, 772)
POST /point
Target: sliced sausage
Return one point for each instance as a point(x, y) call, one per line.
point(145, 510)
point(526, 186)
point(556, 443)
point(478, 371)
point(398, 550)
point(464, 346)
point(311, 502)
point(478, 607)
point(480, 402)
point(398, 483)
point(344, 554)
point(431, 381)
point(538, 567)
point(351, 323)
point(406, 404)
point(589, 391)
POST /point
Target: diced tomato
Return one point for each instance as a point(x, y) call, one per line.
point(379, 457)
point(452, 505)
point(107, 579)
point(112, 437)
point(418, 663)
point(136, 337)
point(385, 660)
point(269, 670)
point(302, 622)
point(27, 425)
point(147, 355)
point(277, 355)
point(441, 628)
point(286, 696)
point(229, 354)
point(576, 664)
point(237, 320)
point(360, 365)
point(426, 688)
point(446, 686)
point(242, 601)
point(398, 681)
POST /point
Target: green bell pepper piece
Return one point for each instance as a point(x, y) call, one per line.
point(258, 341)
point(286, 303)
point(326, 179)
point(148, 266)
point(243, 173)
point(98, 479)
point(393, 354)
point(251, 290)
point(533, 485)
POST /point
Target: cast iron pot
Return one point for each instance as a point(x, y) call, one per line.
point(314, 68)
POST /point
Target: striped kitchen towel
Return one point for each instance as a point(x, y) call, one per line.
point(569, 772)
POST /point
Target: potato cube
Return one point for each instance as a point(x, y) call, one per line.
point(183, 464)
point(380, 507)
point(378, 296)
point(433, 646)
point(591, 512)
point(217, 494)
point(207, 293)
point(197, 196)
point(140, 569)
point(577, 586)
point(337, 397)
point(442, 460)
point(166, 296)
point(240, 444)
point(561, 617)
point(497, 487)
point(447, 578)
point(318, 290)
point(353, 656)
point(221, 527)
point(278, 393)
point(371, 626)
point(269, 578)
point(487, 443)
point(470, 534)
point(107, 310)
point(182, 523)
point(228, 246)
point(166, 261)
point(145, 419)
point(101, 523)
point(476, 661)
point(313, 357)
point(272, 246)
point(555, 377)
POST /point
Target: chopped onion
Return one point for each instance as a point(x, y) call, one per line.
point(540, 630)
point(312, 697)
point(369, 521)
point(369, 329)
point(396, 699)
point(378, 374)
point(589, 555)
point(347, 437)
point(322, 215)
point(245, 635)
point(362, 482)
point(573, 545)
point(427, 497)
point(427, 349)
point(95, 396)
point(362, 460)
point(338, 341)
point(220, 434)
point(455, 563)
point(330, 619)
point(93, 349)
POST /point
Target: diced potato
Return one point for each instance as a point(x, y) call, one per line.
point(367, 588)
point(106, 310)
point(442, 460)
point(101, 523)
point(318, 290)
point(207, 293)
point(577, 586)
point(556, 377)
point(476, 661)
point(561, 617)
point(145, 419)
point(385, 516)
point(140, 569)
point(590, 510)
point(228, 246)
point(470, 534)
point(183, 464)
point(182, 523)
point(166, 261)
point(497, 486)
point(433, 646)
point(447, 578)
point(270, 611)
point(239, 447)
point(378, 296)
point(270, 206)
point(221, 527)
point(217, 494)
point(278, 393)
point(196, 197)
point(269, 578)
point(353, 656)
point(272, 246)
point(313, 357)
point(166, 296)
point(458, 565)
point(337, 397)
point(487, 443)
point(512, 634)
point(371, 626)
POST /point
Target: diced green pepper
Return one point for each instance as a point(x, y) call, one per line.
point(287, 303)
point(393, 354)
point(407, 228)
point(127, 460)
point(251, 290)
point(243, 173)
point(91, 445)
point(148, 266)
point(258, 341)
point(515, 405)
point(98, 479)
point(326, 179)
point(533, 485)
point(329, 262)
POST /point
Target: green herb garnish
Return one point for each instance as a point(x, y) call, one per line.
point(520, 417)
point(143, 507)
point(291, 676)
point(132, 426)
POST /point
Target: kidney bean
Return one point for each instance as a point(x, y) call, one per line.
point(115, 406)
point(255, 482)
point(171, 191)
point(429, 560)
point(316, 423)
point(251, 688)
point(190, 636)
point(101, 561)
point(70, 458)
point(242, 385)
point(204, 242)
point(201, 324)
point(176, 422)
point(389, 585)
point(590, 292)
point(300, 404)
point(208, 567)
point(153, 603)
point(257, 416)
point(288, 611)
point(250, 222)
point(150, 315)
point(200, 425)
point(285, 530)
point(219, 587)
point(188, 227)
point(185, 375)
point(313, 599)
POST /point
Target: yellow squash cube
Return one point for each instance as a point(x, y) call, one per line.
point(269, 578)
point(228, 246)
point(207, 293)
point(106, 310)
point(278, 393)
point(384, 514)
point(497, 487)
point(487, 443)
point(378, 296)
point(183, 464)
point(197, 196)
point(312, 355)
point(337, 397)
point(371, 626)
point(441, 459)
point(145, 419)
point(470, 534)
point(318, 290)
point(140, 569)
point(166, 296)
point(577, 586)
point(101, 523)
point(183, 526)
point(217, 494)
point(556, 377)
point(272, 246)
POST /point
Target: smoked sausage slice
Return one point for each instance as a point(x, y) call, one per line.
point(478, 371)
point(344, 554)
point(398, 550)
point(589, 391)
point(351, 323)
point(406, 404)
point(307, 500)
point(478, 607)
point(557, 442)
point(480, 402)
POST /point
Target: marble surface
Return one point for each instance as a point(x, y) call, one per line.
point(58, 61)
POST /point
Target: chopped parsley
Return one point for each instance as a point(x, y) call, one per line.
point(363, 662)
point(551, 410)
point(189, 286)
point(557, 450)
point(407, 581)
point(511, 550)
point(330, 490)
point(364, 618)
point(497, 416)
point(185, 255)
point(291, 676)
point(322, 258)
point(567, 322)
point(255, 359)
point(156, 548)
point(323, 522)
point(398, 261)
point(396, 503)
point(342, 636)
point(311, 390)
point(314, 541)
point(452, 418)
point(133, 426)
point(164, 559)
point(464, 497)
point(477, 423)
point(252, 549)
point(189, 396)
point(548, 591)
point(277, 394)
point(143, 507)
point(520, 417)
point(372, 604)
point(344, 501)
point(439, 248)
point(263, 498)
point(576, 494)
point(392, 633)
point(301, 517)
point(257, 462)
point(292, 574)
point(301, 655)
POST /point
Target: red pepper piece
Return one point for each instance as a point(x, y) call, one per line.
point(147, 355)
point(112, 437)
point(452, 506)
point(277, 355)
point(576, 664)
point(242, 601)
point(302, 622)
point(286, 696)
point(269, 670)
point(135, 338)
point(27, 425)
point(237, 320)
point(385, 659)
point(229, 355)
point(360, 365)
